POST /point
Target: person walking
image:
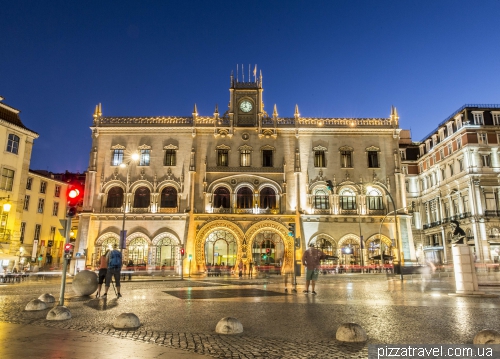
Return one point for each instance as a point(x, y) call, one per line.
point(311, 259)
point(114, 268)
point(240, 269)
point(250, 269)
point(103, 268)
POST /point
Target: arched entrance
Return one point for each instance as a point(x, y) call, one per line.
point(221, 248)
point(350, 253)
point(268, 250)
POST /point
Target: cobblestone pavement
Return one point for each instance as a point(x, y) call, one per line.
point(276, 324)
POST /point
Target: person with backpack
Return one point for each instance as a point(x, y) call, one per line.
point(114, 269)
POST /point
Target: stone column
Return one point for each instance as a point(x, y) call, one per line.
point(465, 273)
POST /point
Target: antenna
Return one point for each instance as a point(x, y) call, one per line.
point(249, 78)
point(237, 66)
point(243, 72)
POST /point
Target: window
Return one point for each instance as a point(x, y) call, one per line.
point(441, 154)
point(222, 198)
point(13, 144)
point(43, 186)
point(443, 173)
point(168, 198)
point(117, 157)
point(245, 156)
point(55, 209)
point(26, 202)
point(374, 200)
point(496, 118)
point(170, 156)
point(115, 198)
point(57, 191)
point(41, 203)
point(267, 198)
point(346, 159)
point(38, 227)
point(459, 122)
point(482, 139)
point(347, 199)
point(320, 200)
point(29, 182)
point(144, 159)
point(52, 233)
point(319, 159)
point(7, 179)
point(459, 142)
point(244, 198)
point(402, 154)
point(451, 169)
point(450, 149)
point(373, 159)
point(22, 230)
point(486, 160)
point(478, 118)
point(267, 158)
point(460, 164)
point(223, 157)
point(142, 197)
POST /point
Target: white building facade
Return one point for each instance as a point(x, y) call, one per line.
point(226, 187)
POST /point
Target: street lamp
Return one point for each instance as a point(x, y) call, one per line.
point(123, 234)
point(4, 216)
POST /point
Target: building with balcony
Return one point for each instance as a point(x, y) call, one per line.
point(17, 143)
point(226, 186)
point(453, 174)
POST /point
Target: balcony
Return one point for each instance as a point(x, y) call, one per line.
point(169, 210)
point(492, 213)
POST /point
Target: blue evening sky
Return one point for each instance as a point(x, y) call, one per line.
point(58, 59)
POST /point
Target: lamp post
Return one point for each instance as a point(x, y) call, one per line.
point(4, 216)
point(123, 234)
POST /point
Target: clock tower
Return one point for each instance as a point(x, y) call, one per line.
point(246, 108)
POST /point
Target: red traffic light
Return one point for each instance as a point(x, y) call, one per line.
point(268, 250)
point(75, 197)
point(68, 247)
point(73, 193)
point(182, 251)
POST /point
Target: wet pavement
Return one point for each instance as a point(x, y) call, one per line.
point(181, 315)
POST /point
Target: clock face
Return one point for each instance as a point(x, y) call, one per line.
point(246, 106)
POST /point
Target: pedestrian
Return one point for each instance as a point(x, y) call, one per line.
point(130, 268)
point(240, 269)
point(250, 269)
point(103, 268)
point(311, 259)
point(114, 268)
point(287, 273)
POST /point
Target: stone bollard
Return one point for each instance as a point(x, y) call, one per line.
point(35, 304)
point(351, 332)
point(229, 325)
point(126, 321)
point(47, 298)
point(59, 313)
point(487, 336)
point(84, 283)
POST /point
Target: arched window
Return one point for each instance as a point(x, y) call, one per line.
point(374, 199)
point(320, 199)
point(107, 244)
point(166, 250)
point(268, 248)
point(267, 198)
point(142, 198)
point(168, 198)
point(221, 248)
point(13, 143)
point(115, 197)
point(138, 251)
point(244, 198)
point(222, 198)
point(347, 199)
point(326, 246)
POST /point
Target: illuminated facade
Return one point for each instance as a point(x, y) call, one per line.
point(453, 174)
point(227, 186)
point(17, 143)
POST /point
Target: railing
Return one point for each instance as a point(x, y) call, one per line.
point(491, 213)
point(222, 210)
point(377, 211)
point(169, 210)
point(245, 169)
point(244, 210)
point(321, 211)
point(140, 210)
point(112, 210)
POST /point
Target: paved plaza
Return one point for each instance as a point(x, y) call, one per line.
point(178, 317)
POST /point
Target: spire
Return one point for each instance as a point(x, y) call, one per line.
point(195, 111)
point(394, 115)
point(296, 114)
point(100, 110)
point(97, 111)
point(216, 109)
point(275, 111)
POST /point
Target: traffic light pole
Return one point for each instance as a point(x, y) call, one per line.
point(65, 261)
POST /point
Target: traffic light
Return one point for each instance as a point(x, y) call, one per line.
point(182, 252)
point(329, 185)
point(68, 250)
point(291, 229)
point(75, 196)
